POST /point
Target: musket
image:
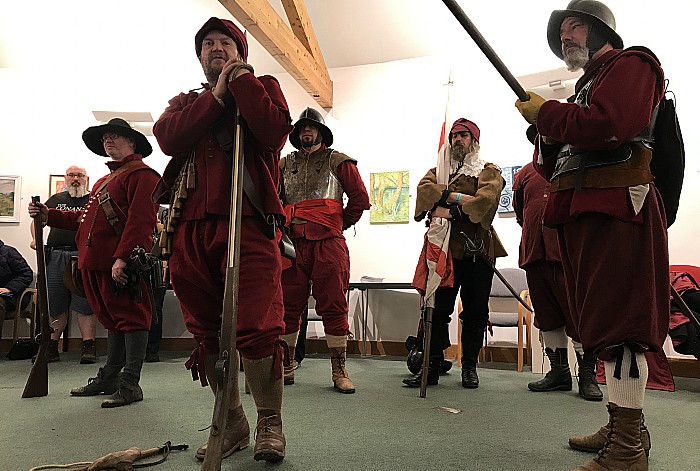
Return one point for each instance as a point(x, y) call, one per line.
point(684, 308)
point(490, 54)
point(427, 333)
point(472, 247)
point(38, 381)
point(225, 369)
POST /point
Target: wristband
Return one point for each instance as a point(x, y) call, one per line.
point(459, 195)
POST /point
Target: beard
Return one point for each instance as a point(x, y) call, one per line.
point(306, 143)
point(458, 152)
point(77, 191)
point(577, 57)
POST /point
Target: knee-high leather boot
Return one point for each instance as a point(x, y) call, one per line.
point(267, 392)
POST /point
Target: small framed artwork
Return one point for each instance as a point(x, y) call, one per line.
point(388, 193)
point(10, 195)
point(57, 184)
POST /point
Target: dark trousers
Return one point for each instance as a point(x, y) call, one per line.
point(472, 280)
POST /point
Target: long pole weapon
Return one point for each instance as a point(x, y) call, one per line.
point(427, 310)
point(225, 369)
point(490, 54)
point(38, 381)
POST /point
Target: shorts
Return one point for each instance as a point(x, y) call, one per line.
point(61, 300)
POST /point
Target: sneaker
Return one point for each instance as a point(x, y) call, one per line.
point(89, 353)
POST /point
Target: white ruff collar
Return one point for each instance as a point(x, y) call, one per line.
point(471, 166)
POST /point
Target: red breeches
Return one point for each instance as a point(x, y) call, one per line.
point(326, 264)
point(545, 280)
point(198, 272)
point(617, 279)
point(117, 313)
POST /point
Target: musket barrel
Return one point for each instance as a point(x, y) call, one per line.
point(490, 54)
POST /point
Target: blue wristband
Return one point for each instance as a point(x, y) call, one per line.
point(459, 195)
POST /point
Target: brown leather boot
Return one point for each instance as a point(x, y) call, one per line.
point(269, 438)
point(293, 365)
point(236, 435)
point(623, 449)
point(341, 380)
point(594, 442)
point(267, 392)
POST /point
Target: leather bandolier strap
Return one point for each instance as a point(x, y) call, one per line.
point(186, 180)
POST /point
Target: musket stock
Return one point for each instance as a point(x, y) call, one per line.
point(427, 334)
point(227, 345)
point(38, 381)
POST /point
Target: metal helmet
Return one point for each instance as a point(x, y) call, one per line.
point(310, 114)
point(597, 13)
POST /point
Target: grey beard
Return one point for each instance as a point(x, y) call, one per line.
point(576, 58)
point(77, 191)
point(458, 153)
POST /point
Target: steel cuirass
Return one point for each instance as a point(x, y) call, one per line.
point(310, 177)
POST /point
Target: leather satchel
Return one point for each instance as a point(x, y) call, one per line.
point(72, 277)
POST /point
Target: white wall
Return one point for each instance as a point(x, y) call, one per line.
point(387, 116)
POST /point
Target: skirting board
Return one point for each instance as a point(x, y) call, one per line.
point(681, 367)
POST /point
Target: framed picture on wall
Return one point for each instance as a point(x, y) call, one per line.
point(10, 195)
point(57, 184)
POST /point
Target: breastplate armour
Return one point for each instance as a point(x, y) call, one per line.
point(310, 177)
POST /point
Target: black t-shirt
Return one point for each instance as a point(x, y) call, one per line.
point(64, 202)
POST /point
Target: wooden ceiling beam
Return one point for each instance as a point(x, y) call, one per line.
point(266, 26)
point(302, 28)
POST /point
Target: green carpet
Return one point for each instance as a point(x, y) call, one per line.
point(384, 426)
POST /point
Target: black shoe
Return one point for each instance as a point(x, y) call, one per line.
point(415, 380)
point(151, 357)
point(558, 378)
point(470, 379)
point(51, 352)
point(97, 385)
point(126, 394)
point(445, 366)
point(554, 380)
point(587, 385)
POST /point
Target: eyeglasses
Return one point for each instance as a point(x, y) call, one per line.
point(75, 175)
point(110, 137)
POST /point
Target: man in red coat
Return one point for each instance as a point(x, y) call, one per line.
point(196, 130)
point(118, 217)
point(539, 257)
point(596, 153)
point(314, 180)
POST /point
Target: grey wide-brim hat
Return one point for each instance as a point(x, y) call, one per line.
point(92, 137)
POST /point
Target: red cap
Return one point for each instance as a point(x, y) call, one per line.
point(463, 124)
point(226, 27)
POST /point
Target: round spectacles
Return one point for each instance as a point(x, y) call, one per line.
point(110, 137)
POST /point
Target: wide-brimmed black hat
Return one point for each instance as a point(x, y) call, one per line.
point(313, 116)
point(92, 137)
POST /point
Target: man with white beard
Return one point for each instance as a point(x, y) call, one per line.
point(469, 200)
point(59, 247)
